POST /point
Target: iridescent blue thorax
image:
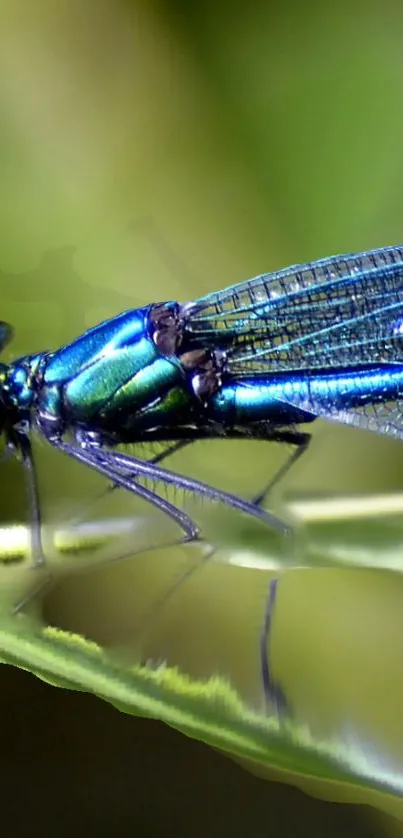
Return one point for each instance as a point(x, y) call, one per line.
point(127, 378)
point(110, 375)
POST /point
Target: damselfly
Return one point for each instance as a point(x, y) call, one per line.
point(254, 361)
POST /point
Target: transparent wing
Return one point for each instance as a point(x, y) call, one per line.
point(340, 311)
point(373, 414)
point(382, 418)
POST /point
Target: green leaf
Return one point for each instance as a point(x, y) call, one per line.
point(341, 766)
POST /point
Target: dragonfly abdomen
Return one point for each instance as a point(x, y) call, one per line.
point(300, 397)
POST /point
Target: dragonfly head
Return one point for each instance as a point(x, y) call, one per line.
point(18, 384)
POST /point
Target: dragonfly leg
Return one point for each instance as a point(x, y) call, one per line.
point(32, 594)
point(273, 694)
point(125, 471)
point(158, 458)
point(170, 450)
point(183, 577)
point(147, 469)
point(126, 474)
point(25, 448)
point(144, 469)
point(300, 441)
point(190, 531)
point(23, 444)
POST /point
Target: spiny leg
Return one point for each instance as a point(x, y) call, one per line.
point(273, 694)
point(143, 469)
point(112, 464)
point(189, 529)
point(146, 468)
point(122, 470)
point(272, 691)
point(300, 441)
point(157, 458)
point(108, 464)
point(296, 439)
point(24, 445)
point(19, 443)
point(183, 577)
point(105, 463)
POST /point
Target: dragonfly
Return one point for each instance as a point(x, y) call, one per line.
point(258, 360)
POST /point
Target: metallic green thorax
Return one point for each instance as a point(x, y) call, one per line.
point(114, 378)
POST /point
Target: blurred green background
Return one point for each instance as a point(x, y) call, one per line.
point(161, 150)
